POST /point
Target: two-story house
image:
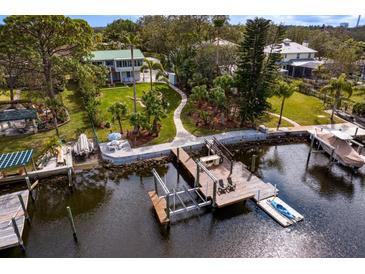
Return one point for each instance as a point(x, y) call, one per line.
point(298, 60)
point(119, 63)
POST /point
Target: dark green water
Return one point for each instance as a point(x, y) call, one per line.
point(114, 216)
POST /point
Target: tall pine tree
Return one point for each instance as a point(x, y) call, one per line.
point(257, 71)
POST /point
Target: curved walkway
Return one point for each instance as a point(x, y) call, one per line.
point(294, 124)
point(182, 135)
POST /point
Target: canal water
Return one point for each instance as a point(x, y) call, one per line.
point(114, 216)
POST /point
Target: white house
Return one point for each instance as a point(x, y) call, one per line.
point(298, 60)
point(119, 63)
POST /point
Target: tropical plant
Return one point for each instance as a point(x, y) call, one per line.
point(132, 40)
point(359, 109)
point(152, 65)
point(199, 93)
point(118, 111)
point(338, 87)
point(218, 22)
point(154, 108)
point(139, 121)
point(217, 96)
point(224, 81)
point(204, 115)
point(284, 90)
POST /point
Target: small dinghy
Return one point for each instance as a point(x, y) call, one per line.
point(282, 210)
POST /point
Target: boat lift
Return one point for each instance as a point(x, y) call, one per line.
point(174, 198)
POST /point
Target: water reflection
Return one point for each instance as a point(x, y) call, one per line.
point(114, 216)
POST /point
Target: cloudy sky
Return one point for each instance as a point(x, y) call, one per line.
point(334, 20)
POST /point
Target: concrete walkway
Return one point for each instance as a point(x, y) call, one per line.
point(182, 135)
point(294, 124)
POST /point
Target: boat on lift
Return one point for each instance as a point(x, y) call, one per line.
point(341, 146)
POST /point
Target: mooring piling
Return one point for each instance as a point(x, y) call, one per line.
point(253, 163)
point(72, 223)
point(29, 186)
point(310, 150)
point(27, 217)
point(17, 233)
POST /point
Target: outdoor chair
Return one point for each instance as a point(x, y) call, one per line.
point(231, 185)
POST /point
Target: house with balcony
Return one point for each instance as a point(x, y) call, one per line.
point(119, 63)
point(298, 60)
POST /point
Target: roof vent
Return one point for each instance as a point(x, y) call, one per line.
point(305, 43)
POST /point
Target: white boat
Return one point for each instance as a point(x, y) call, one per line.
point(339, 145)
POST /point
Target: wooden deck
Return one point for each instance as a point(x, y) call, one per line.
point(10, 207)
point(247, 185)
point(50, 169)
point(159, 205)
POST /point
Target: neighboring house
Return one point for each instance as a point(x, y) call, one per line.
point(297, 60)
point(119, 63)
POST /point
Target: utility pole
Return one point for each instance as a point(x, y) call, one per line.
point(358, 21)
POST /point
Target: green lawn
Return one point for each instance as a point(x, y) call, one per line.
point(303, 109)
point(4, 96)
point(125, 94)
point(79, 121)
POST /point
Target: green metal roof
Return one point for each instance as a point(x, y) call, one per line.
point(14, 159)
point(17, 114)
point(101, 55)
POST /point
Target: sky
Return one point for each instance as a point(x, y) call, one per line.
point(305, 20)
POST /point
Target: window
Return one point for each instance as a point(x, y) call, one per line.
point(97, 63)
point(285, 55)
point(119, 64)
point(298, 55)
point(309, 55)
point(128, 74)
point(109, 63)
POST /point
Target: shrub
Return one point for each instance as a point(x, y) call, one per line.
point(359, 109)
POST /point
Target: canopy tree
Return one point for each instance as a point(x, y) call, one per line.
point(256, 72)
point(118, 29)
point(13, 58)
point(53, 39)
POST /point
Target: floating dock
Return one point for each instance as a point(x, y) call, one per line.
point(11, 208)
point(265, 204)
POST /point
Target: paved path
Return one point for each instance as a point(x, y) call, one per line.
point(294, 124)
point(182, 135)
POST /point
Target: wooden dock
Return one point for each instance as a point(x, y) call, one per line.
point(50, 169)
point(248, 186)
point(10, 207)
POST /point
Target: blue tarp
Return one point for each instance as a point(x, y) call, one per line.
point(14, 159)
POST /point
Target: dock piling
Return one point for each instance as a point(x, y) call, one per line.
point(258, 195)
point(155, 183)
point(72, 223)
point(69, 175)
point(29, 186)
point(356, 130)
point(17, 233)
point(253, 163)
point(310, 150)
point(214, 193)
point(178, 155)
point(27, 217)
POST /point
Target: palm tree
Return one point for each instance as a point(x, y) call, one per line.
point(337, 87)
point(218, 22)
point(285, 90)
point(132, 40)
point(154, 108)
point(139, 120)
point(152, 65)
point(118, 111)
